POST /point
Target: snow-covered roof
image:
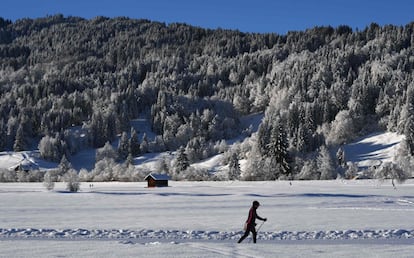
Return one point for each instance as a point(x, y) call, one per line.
point(158, 177)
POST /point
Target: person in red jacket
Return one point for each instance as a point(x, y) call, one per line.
point(250, 225)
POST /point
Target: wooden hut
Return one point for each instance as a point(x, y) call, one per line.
point(157, 180)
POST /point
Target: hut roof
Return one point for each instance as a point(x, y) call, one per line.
point(158, 177)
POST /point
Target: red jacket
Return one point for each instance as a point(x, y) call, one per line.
point(251, 220)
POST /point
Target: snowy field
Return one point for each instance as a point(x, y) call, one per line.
point(360, 218)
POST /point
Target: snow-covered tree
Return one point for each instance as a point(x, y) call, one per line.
point(182, 162)
point(408, 120)
point(234, 167)
point(309, 171)
point(134, 146)
point(277, 152)
point(325, 164)
point(52, 148)
point(104, 170)
point(123, 146)
point(342, 129)
point(107, 151)
point(19, 142)
point(389, 170)
point(144, 144)
point(49, 179)
point(64, 166)
point(72, 181)
point(340, 156)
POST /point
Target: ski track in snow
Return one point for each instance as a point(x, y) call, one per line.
point(126, 236)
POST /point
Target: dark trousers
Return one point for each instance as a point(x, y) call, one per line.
point(250, 228)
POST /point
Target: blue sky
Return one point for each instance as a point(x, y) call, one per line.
point(278, 16)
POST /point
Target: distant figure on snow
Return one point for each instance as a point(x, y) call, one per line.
point(250, 225)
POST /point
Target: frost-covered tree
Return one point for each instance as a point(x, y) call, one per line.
point(123, 146)
point(182, 162)
point(234, 167)
point(49, 179)
point(134, 145)
point(263, 137)
point(64, 166)
point(162, 166)
point(325, 164)
point(277, 152)
point(85, 175)
point(409, 119)
point(104, 170)
point(389, 170)
point(19, 142)
point(52, 148)
point(308, 171)
point(71, 178)
point(342, 129)
point(107, 151)
point(3, 135)
point(144, 147)
point(340, 157)
point(255, 168)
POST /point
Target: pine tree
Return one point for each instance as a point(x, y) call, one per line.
point(19, 142)
point(409, 120)
point(263, 138)
point(278, 152)
point(144, 144)
point(123, 146)
point(64, 166)
point(3, 134)
point(134, 146)
point(234, 167)
point(182, 162)
point(129, 160)
point(340, 156)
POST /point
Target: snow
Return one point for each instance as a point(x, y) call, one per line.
point(373, 149)
point(359, 218)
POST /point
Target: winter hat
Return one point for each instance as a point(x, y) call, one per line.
point(256, 203)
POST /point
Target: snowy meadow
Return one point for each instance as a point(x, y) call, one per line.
point(358, 218)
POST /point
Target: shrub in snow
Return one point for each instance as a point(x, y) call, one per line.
point(391, 171)
point(193, 174)
point(49, 179)
point(7, 176)
point(72, 180)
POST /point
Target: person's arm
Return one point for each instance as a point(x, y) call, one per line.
point(257, 216)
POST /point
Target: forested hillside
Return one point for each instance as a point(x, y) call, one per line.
point(317, 88)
